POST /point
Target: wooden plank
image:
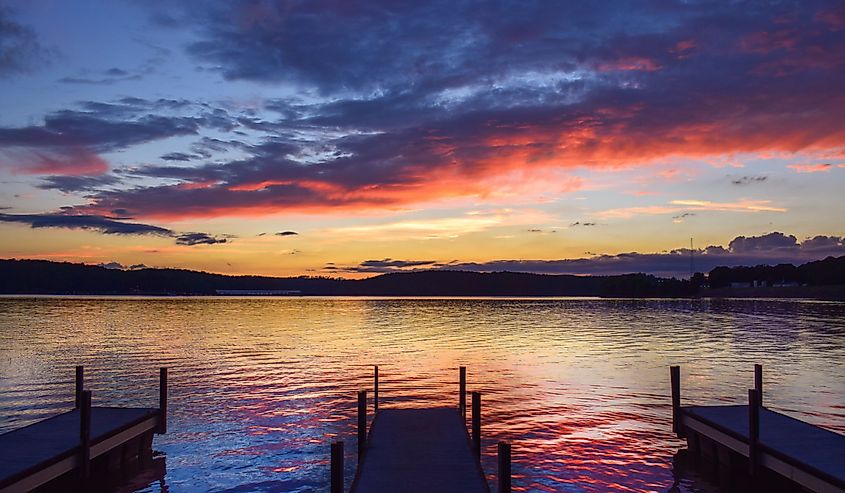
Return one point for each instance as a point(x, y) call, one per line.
point(43, 445)
point(419, 450)
point(792, 447)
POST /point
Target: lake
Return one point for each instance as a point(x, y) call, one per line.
point(259, 387)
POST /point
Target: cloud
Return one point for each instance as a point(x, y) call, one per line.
point(102, 224)
point(69, 141)
point(400, 103)
point(70, 161)
point(766, 243)
point(108, 129)
point(749, 180)
point(118, 266)
point(810, 168)
point(178, 156)
point(20, 49)
point(108, 226)
point(71, 184)
point(773, 248)
point(104, 78)
point(383, 266)
point(681, 206)
point(414, 102)
point(742, 205)
point(191, 239)
point(112, 265)
point(680, 217)
point(287, 233)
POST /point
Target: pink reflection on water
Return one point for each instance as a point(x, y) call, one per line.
point(260, 388)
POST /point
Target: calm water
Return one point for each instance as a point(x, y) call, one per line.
point(259, 387)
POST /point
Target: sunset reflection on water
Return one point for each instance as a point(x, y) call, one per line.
point(260, 387)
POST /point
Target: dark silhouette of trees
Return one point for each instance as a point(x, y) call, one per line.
point(46, 277)
point(830, 271)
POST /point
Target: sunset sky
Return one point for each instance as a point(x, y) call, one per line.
point(355, 137)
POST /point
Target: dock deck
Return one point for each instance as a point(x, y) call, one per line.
point(419, 450)
point(769, 443)
point(52, 449)
point(811, 456)
point(35, 454)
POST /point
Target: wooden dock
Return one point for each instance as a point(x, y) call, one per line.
point(67, 444)
point(420, 450)
point(761, 441)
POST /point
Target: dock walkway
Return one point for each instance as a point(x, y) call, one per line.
point(419, 450)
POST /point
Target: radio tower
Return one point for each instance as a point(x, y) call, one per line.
point(691, 260)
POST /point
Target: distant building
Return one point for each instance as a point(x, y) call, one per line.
point(786, 284)
point(740, 285)
point(258, 292)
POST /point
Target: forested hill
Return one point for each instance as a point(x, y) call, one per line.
point(47, 277)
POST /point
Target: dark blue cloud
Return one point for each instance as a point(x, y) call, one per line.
point(191, 239)
point(109, 226)
point(384, 266)
point(105, 225)
point(71, 184)
point(20, 49)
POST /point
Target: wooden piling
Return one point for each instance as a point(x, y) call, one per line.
point(85, 435)
point(476, 424)
point(758, 382)
point(162, 400)
point(462, 392)
point(753, 432)
point(80, 384)
point(375, 389)
point(504, 455)
point(362, 424)
point(675, 375)
point(337, 467)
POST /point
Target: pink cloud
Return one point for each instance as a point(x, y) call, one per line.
point(810, 168)
point(632, 63)
point(70, 162)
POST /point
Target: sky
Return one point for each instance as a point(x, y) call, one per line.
point(350, 138)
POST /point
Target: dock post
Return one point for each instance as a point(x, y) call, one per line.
point(80, 384)
point(758, 383)
point(476, 424)
point(375, 390)
point(462, 392)
point(362, 424)
point(504, 467)
point(753, 431)
point(675, 374)
point(337, 467)
point(85, 435)
point(162, 401)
